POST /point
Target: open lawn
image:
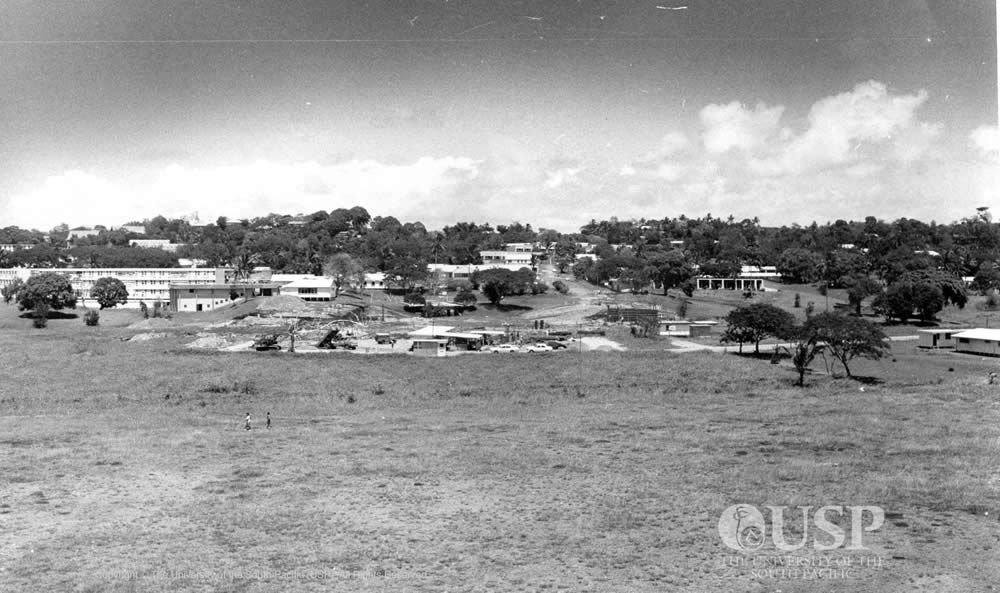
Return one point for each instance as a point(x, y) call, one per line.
point(126, 468)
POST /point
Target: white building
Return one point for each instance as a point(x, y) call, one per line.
point(80, 233)
point(978, 341)
point(320, 288)
point(458, 271)
point(148, 285)
point(163, 244)
point(762, 272)
point(195, 298)
point(938, 338)
point(506, 258)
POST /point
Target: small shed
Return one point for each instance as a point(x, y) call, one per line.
point(983, 341)
point(938, 338)
point(429, 347)
point(676, 327)
point(702, 328)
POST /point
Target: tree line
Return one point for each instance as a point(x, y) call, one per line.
point(901, 264)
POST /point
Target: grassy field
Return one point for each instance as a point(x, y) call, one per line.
point(125, 468)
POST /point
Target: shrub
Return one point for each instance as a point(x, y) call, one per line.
point(560, 287)
point(414, 298)
point(992, 302)
point(40, 315)
point(91, 317)
point(682, 309)
point(466, 298)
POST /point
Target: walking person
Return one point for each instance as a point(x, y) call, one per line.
point(246, 422)
point(269, 421)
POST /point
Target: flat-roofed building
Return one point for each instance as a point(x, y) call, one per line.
point(978, 341)
point(938, 337)
point(194, 298)
point(149, 285)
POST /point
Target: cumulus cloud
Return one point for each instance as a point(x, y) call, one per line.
point(561, 176)
point(664, 161)
point(986, 139)
point(861, 152)
point(734, 126)
point(243, 191)
point(841, 125)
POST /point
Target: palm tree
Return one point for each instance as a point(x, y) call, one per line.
point(243, 266)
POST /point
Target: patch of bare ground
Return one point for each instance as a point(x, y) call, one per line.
point(130, 470)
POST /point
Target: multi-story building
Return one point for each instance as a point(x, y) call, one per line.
point(81, 233)
point(163, 244)
point(506, 258)
point(147, 285)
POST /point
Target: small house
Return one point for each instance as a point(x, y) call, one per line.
point(938, 338)
point(983, 341)
point(680, 328)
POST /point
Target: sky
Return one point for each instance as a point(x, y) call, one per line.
point(548, 112)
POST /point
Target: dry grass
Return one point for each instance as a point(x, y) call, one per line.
point(578, 472)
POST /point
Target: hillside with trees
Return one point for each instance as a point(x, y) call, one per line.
point(905, 268)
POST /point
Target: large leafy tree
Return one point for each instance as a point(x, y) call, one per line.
point(923, 293)
point(755, 322)
point(405, 271)
point(859, 287)
point(952, 288)
point(499, 283)
point(672, 269)
point(847, 337)
point(798, 265)
point(48, 289)
point(496, 284)
point(109, 292)
point(342, 269)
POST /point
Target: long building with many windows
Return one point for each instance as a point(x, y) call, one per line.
point(147, 285)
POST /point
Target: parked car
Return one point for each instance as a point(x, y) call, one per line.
point(539, 347)
point(503, 348)
point(558, 344)
point(384, 339)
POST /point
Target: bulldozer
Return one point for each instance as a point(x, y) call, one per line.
point(266, 342)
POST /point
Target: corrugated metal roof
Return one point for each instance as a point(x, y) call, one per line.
point(980, 333)
point(460, 335)
point(432, 330)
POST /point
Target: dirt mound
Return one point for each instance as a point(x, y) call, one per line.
point(253, 320)
point(152, 323)
point(282, 304)
point(209, 343)
point(601, 344)
point(147, 336)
